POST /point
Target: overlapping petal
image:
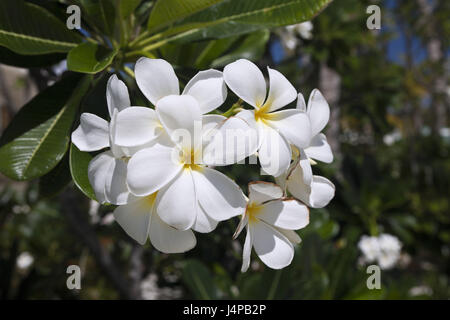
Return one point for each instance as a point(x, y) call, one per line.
point(116, 95)
point(134, 218)
point(177, 202)
point(181, 117)
point(318, 111)
point(272, 247)
point(274, 153)
point(287, 214)
point(208, 88)
point(293, 125)
point(152, 168)
point(92, 134)
point(281, 91)
point(167, 239)
point(246, 81)
point(319, 149)
point(260, 192)
point(136, 126)
point(219, 196)
point(156, 79)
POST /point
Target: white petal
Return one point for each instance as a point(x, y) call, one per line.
point(322, 191)
point(318, 111)
point(316, 195)
point(293, 125)
point(319, 149)
point(134, 218)
point(281, 91)
point(242, 224)
point(301, 104)
point(287, 214)
point(260, 191)
point(208, 88)
point(246, 251)
point(116, 95)
point(92, 134)
point(136, 126)
point(168, 239)
point(219, 196)
point(230, 142)
point(305, 167)
point(272, 247)
point(98, 171)
point(274, 153)
point(177, 202)
point(116, 189)
point(203, 222)
point(151, 169)
point(156, 79)
point(182, 119)
point(116, 150)
point(246, 81)
point(211, 121)
point(291, 235)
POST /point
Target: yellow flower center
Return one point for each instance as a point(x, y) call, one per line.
point(262, 114)
point(252, 212)
point(151, 198)
point(189, 159)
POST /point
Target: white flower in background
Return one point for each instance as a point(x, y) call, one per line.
point(391, 138)
point(304, 29)
point(289, 34)
point(276, 130)
point(140, 220)
point(190, 195)
point(370, 248)
point(24, 260)
point(107, 171)
point(270, 220)
point(157, 79)
point(390, 248)
point(384, 249)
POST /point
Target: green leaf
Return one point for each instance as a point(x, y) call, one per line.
point(199, 280)
point(236, 17)
point(17, 60)
point(166, 12)
point(29, 29)
point(90, 58)
point(213, 50)
point(100, 14)
point(56, 180)
point(38, 136)
point(252, 48)
point(79, 162)
point(126, 8)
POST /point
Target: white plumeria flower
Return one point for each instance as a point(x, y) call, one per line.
point(370, 248)
point(390, 248)
point(140, 220)
point(106, 171)
point(304, 29)
point(270, 220)
point(384, 249)
point(190, 195)
point(156, 79)
point(276, 130)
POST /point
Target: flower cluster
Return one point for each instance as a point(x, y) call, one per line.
point(384, 249)
point(158, 164)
